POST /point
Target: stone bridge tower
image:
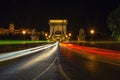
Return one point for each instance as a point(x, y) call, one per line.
point(58, 30)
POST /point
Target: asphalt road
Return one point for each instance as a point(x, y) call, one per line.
point(88, 66)
point(42, 65)
point(60, 63)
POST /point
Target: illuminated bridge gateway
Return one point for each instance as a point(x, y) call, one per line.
point(58, 30)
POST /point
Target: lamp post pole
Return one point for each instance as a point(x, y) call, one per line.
point(92, 33)
point(24, 32)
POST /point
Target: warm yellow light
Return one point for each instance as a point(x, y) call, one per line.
point(92, 31)
point(49, 36)
point(57, 21)
point(69, 34)
point(46, 34)
point(24, 32)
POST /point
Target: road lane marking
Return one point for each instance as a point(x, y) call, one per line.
point(62, 71)
point(42, 73)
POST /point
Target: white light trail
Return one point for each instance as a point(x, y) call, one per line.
point(41, 57)
point(12, 55)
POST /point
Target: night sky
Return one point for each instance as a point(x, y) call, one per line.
point(36, 13)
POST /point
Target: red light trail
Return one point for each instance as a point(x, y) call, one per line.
point(92, 50)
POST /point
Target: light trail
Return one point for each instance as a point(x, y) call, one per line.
point(95, 51)
point(93, 42)
point(41, 57)
point(12, 55)
point(42, 73)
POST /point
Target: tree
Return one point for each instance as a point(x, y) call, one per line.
point(113, 23)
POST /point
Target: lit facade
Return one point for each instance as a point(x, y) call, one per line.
point(58, 30)
point(4, 31)
point(12, 30)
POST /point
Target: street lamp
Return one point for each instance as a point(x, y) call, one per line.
point(92, 31)
point(69, 34)
point(23, 32)
point(66, 36)
point(46, 34)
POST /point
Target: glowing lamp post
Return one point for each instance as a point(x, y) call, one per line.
point(92, 32)
point(23, 32)
point(46, 34)
point(69, 34)
point(66, 36)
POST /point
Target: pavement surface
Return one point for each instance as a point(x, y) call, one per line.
point(60, 63)
point(87, 66)
point(42, 65)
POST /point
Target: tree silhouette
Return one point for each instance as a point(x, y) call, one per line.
point(113, 23)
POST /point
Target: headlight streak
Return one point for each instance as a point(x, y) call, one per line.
point(5, 55)
point(39, 58)
point(12, 55)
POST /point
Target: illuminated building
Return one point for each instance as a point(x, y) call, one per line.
point(11, 28)
point(58, 30)
point(4, 31)
point(14, 31)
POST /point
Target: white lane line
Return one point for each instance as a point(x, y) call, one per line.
point(66, 77)
point(62, 72)
point(42, 73)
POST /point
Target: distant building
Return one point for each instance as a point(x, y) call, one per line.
point(14, 31)
point(4, 31)
point(11, 28)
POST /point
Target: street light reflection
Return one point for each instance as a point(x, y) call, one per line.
point(66, 53)
point(91, 57)
point(92, 67)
